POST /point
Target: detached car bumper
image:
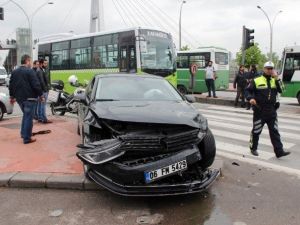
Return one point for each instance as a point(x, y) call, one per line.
point(128, 177)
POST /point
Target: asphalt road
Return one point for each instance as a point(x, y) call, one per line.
point(244, 195)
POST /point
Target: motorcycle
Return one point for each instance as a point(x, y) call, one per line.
point(61, 101)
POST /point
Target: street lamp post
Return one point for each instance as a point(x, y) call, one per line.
point(30, 21)
point(271, 29)
point(183, 2)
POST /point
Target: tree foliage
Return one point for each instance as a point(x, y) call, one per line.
point(185, 48)
point(253, 56)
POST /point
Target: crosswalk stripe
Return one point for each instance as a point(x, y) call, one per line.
point(246, 116)
point(250, 112)
point(264, 164)
point(230, 119)
point(242, 137)
point(244, 128)
point(241, 150)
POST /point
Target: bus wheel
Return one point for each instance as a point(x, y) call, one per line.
point(182, 89)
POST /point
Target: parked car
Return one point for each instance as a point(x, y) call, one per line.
point(5, 105)
point(3, 75)
point(141, 137)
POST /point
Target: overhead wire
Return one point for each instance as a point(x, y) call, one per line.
point(121, 5)
point(67, 15)
point(140, 13)
point(119, 12)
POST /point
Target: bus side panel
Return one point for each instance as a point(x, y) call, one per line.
point(222, 82)
point(83, 76)
point(291, 89)
point(183, 78)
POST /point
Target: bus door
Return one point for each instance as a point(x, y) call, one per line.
point(127, 52)
point(127, 59)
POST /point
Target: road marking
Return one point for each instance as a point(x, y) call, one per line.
point(246, 116)
point(242, 137)
point(237, 120)
point(244, 128)
point(241, 150)
point(243, 111)
point(264, 164)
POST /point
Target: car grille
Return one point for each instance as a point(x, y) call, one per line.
point(168, 143)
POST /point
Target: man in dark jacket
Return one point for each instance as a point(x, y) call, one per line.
point(25, 88)
point(250, 76)
point(44, 80)
point(35, 67)
point(240, 83)
point(262, 96)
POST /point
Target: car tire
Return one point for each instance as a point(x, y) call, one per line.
point(208, 150)
point(2, 110)
point(182, 89)
point(54, 112)
point(298, 97)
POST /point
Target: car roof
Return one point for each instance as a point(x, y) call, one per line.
point(128, 75)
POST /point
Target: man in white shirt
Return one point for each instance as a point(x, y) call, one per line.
point(210, 76)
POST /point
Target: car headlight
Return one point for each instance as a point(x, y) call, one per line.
point(100, 152)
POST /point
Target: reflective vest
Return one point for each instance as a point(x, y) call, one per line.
point(262, 83)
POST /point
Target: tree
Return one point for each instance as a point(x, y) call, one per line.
point(253, 56)
point(185, 48)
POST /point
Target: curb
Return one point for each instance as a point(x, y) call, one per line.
point(60, 181)
point(215, 101)
point(47, 180)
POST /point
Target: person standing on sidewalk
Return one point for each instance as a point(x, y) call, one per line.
point(250, 76)
point(25, 88)
point(35, 67)
point(240, 83)
point(263, 92)
point(210, 77)
point(42, 115)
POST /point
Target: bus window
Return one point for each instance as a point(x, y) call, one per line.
point(80, 54)
point(60, 55)
point(221, 58)
point(292, 63)
point(199, 60)
point(182, 61)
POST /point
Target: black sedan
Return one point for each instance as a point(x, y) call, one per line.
point(140, 137)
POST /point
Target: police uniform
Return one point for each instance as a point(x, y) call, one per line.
point(264, 90)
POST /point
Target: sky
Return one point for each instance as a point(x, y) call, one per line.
point(204, 22)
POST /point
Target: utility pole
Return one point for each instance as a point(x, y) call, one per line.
point(183, 2)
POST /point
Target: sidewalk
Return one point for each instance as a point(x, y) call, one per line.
point(50, 162)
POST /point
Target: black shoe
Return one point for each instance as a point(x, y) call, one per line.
point(254, 152)
point(215, 96)
point(208, 96)
point(281, 154)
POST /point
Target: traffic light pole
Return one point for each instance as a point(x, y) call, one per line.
point(243, 46)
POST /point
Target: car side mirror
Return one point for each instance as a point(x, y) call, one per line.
point(81, 98)
point(190, 98)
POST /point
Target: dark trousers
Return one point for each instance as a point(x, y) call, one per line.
point(27, 108)
point(240, 94)
point(210, 84)
point(258, 124)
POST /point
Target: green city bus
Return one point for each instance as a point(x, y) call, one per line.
point(201, 57)
point(290, 72)
point(135, 50)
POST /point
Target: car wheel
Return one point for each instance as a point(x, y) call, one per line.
point(182, 89)
point(56, 112)
point(298, 97)
point(1, 111)
point(207, 150)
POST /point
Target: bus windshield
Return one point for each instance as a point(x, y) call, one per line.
point(157, 53)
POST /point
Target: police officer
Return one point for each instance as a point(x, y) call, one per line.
point(262, 95)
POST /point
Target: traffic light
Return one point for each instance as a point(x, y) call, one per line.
point(247, 40)
point(1, 14)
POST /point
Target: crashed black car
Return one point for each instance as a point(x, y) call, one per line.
point(140, 137)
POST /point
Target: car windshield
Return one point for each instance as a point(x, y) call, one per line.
point(135, 88)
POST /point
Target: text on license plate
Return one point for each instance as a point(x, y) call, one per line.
point(165, 171)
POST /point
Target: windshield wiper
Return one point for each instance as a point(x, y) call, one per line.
point(106, 100)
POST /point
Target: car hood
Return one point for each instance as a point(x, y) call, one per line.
point(161, 112)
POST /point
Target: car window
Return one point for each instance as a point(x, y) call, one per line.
point(136, 88)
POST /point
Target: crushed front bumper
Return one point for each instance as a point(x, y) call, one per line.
point(125, 178)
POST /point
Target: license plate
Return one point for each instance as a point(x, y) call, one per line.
point(165, 171)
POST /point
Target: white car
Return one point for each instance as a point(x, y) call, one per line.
point(5, 105)
point(7, 80)
point(3, 75)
